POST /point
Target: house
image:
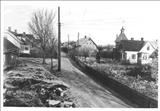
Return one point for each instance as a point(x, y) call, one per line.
point(129, 50)
point(11, 49)
point(88, 45)
point(147, 51)
point(134, 51)
point(27, 41)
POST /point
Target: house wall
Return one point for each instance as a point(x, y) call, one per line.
point(10, 51)
point(9, 59)
point(131, 56)
point(145, 59)
point(25, 49)
point(89, 46)
point(146, 51)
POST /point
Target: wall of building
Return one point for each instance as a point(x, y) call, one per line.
point(10, 50)
point(87, 45)
point(145, 59)
point(25, 49)
point(147, 49)
point(131, 56)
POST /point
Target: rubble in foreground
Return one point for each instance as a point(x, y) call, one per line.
point(31, 85)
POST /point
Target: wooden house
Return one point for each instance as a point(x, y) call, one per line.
point(87, 44)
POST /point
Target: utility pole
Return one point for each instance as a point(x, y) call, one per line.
point(68, 43)
point(78, 45)
point(59, 41)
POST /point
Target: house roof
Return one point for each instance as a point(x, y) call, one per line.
point(121, 36)
point(12, 39)
point(131, 45)
point(84, 40)
point(28, 36)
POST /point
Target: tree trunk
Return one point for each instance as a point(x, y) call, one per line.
point(51, 64)
point(44, 58)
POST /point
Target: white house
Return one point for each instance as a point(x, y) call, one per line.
point(87, 44)
point(134, 51)
point(146, 51)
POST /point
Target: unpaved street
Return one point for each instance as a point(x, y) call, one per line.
point(87, 91)
point(83, 90)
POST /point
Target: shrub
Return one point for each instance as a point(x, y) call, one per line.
point(37, 53)
point(64, 49)
point(106, 54)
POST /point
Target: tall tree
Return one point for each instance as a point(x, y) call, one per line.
point(41, 25)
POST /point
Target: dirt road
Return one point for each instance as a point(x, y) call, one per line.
point(88, 92)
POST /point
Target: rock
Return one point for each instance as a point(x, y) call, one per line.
point(10, 72)
point(53, 102)
point(68, 104)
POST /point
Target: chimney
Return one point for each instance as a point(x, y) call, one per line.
point(9, 28)
point(85, 36)
point(142, 39)
point(15, 31)
point(132, 38)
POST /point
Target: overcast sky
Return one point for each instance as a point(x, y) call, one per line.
point(99, 20)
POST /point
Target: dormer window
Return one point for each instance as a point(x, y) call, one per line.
point(148, 48)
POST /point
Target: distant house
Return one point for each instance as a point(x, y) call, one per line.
point(146, 53)
point(134, 51)
point(12, 46)
point(87, 44)
point(27, 41)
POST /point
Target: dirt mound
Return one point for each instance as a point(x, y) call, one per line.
point(33, 86)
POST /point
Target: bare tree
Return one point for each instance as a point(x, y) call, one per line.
point(53, 46)
point(41, 26)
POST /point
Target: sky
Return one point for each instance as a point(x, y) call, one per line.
point(99, 20)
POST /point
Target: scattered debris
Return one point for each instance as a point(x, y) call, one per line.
point(31, 86)
point(53, 103)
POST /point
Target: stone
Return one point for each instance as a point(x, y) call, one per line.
point(53, 102)
point(68, 104)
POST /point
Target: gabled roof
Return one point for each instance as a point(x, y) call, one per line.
point(131, 45)
point(121, 36)
point(28, 36)
point(84, 40)
point(12, 39)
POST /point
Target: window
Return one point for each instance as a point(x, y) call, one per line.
point(145, 57)
point(133, 56)
point(26, 48)
point(148, 48)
